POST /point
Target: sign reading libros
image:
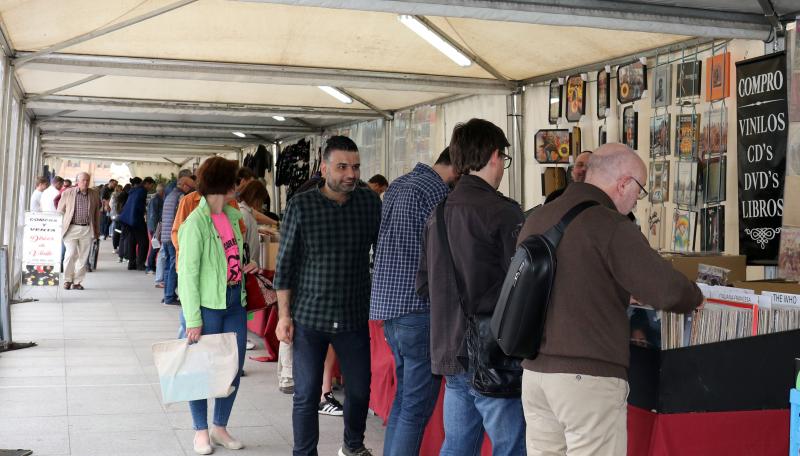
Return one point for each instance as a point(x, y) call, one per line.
point(762, 121)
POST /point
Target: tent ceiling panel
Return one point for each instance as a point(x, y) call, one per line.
point(136, 127)
point(229, 31)
point(33, 81)
point(570, 46)
point(393, 100)
point(200, 91)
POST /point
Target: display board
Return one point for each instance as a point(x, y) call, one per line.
point(761, 136)
point(41, 244)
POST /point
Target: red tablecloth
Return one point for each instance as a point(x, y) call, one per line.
point(762, 432)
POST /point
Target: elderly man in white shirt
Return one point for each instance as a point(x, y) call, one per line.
point(36, 198)
point(48, 199)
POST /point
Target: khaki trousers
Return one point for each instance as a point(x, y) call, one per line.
point(575, 415)
point(77, 243)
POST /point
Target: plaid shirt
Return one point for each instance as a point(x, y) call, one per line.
point(81, 214)
point(407, 204)
point(324, 258)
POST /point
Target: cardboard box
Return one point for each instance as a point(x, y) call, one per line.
point(775, 286)
point(688, 264)
point(272, 255)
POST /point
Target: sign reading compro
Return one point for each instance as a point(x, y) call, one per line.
point(41, 248)
point(762, 120)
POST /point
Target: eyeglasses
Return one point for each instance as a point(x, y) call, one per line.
point(642, 192)
point(506, 161)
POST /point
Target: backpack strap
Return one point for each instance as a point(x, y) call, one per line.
point(554, 234)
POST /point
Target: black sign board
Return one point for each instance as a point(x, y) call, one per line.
point(761, 133)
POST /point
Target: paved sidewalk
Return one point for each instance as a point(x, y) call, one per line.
point(90, 386)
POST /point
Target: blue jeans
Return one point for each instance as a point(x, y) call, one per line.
point(467, 414)
point(170, 275)
point(231, 319)
point(309, 349)
point(161, 266)
point(417, 388)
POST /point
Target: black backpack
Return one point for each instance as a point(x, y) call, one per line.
point(519, 317)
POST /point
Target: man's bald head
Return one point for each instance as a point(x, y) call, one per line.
point(618, 171)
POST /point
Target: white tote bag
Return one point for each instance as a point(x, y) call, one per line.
point(204, 370)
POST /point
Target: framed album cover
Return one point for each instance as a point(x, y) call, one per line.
point(553, 146)
point(688, 79)
point(554, 112)
point(603, 93)
point(659, 135)
point(714, 133)
point(714, 185)
point(683, 226)
point(712, 225)
point(686, 183)
point(687, 135)
point(631, 81)
point(576, 97)
point(655, 226)
point(630, 127)
point(602, 136)
point(576, 145)
point(661, 93)
point(659, 182)
point(718, 77)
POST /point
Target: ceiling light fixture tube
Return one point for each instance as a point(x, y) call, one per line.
point(435, 40)
point(239, 134)
point(335, 93)
point(279, 118)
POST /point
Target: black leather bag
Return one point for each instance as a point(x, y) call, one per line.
point(519, 316)
point(493, 373)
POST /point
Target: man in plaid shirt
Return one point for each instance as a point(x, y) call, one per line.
point(406, 207)
point(323, 283)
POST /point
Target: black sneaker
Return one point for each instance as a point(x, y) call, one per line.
point(331, 406)
point(363, 451)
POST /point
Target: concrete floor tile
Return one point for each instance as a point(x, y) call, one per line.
point(32, 381)
point(19, 371)
point(39, 361)
point(120, 423)
point(109, 380)
point(43, 435)
point(119, 357)
point(99, 371)
point(112, 400)
point(33, 401)
point(239, 418)
point(138, 443)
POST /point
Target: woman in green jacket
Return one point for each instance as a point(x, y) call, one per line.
point(210, 284)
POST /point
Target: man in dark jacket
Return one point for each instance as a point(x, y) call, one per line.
point(574, 392)
point(133, 217)
point(482, 228)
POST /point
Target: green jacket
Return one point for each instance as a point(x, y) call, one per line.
point(203, 267)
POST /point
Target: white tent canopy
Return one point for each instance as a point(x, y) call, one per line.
point(160, 72)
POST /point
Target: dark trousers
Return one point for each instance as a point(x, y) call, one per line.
point(124, 241)
point(152, 255)
point(137, 247)
point(309, 349)
point(115, 236)
point(105, 221)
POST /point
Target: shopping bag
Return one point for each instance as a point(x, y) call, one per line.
point(204, 370)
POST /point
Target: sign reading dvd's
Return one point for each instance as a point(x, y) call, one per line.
point(761, 117)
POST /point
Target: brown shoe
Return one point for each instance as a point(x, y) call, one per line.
point(67, 285)
point(159, 285)
point(77, 286)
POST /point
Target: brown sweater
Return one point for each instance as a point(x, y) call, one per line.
point(603, 259)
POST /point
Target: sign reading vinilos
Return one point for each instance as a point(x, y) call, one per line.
point(762, 121)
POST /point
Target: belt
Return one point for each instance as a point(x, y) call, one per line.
point(81, 224)
point(234, 284)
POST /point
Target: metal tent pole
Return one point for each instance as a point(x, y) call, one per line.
point(515, 138)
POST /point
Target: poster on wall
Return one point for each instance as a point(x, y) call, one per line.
point(603, 93)
point(553, 146)
point(659, 181)
point(714, 133)
point(655, 226)
point(659, 135)
point(576, 97)
point(761, 133)
point(631, 81)
point(41, 248)
point(662, 86)
point(554, 101)
point(718, 77)
point(686, 183)
point(687, 135)
point(630, 127)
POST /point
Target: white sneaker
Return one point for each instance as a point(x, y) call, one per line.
point(250, 345)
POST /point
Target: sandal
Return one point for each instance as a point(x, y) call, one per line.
point(67, 285)
point(77, 286)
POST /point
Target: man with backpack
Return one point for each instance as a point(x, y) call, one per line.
point(575, 390)
point(462, 276)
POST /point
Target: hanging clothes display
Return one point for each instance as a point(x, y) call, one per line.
point(262, 161)
point(293, 166)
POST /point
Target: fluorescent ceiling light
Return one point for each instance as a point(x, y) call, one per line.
point(279, 118)
point(435, 40)
point(238, 133)
point(336, 94)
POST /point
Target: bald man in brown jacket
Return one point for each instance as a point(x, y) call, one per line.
point(574, 393)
